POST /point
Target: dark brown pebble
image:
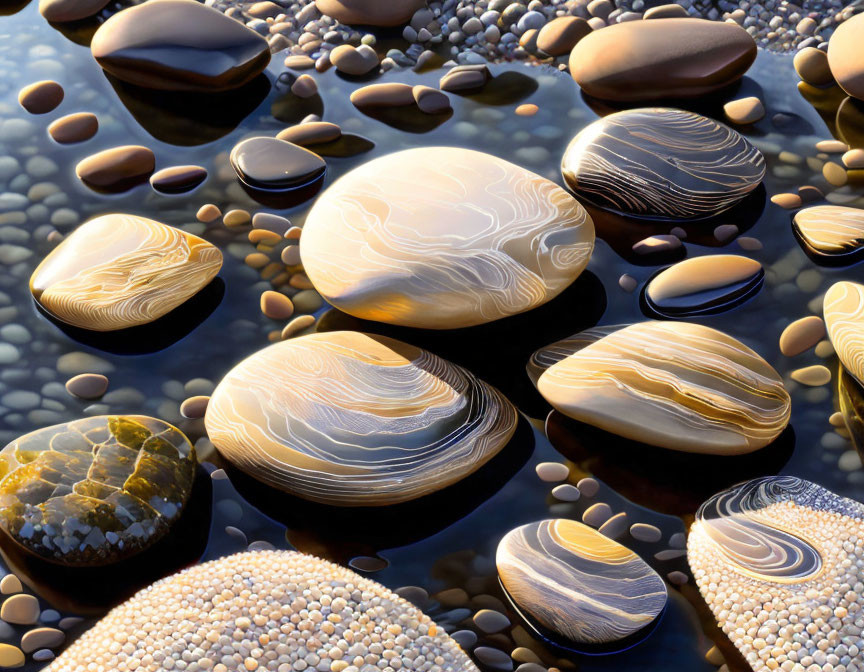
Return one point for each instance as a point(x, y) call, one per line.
point(72, 128)
point(41, 97)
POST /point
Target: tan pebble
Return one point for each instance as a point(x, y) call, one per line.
point(10, 584)
point(627, 282)
point(264, 236)
point(194, 407)
point(802, 335)
point(237, 217)
point(597, 514)
point(291, 255)
point(835, 174)
point(832, 146)
point(588, 486)
point(41, 97)
point(297, 325)
point(307, 301)
point(257, 260)
point(42, 638)
point(87, 385)
point(744, 110)
point(293, 233)
point(527, 110)
point(522, 654)
point(854, 158)
point(812, 376)
point(208, 213)
point(11, 656)
point(836, 419)
point(20, 609)
point(811, 64)
point(72, 128)
point(301, 281)
point(304, 87)
point(824, 349)
point(715, 656)
point(452, 597)
point(788, 201)
point(271, 270)
point(725, 232)
point(749, 244)
point(276, 306)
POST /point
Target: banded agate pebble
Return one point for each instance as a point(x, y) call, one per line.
point(442, 237)
point(119, 271)
point(348, 419)
point(253, 601)
point(703, 285)
point(578, 584)
point(94, 491)
point(834, 231)
point(674, 385)
point(662, 163)
point(553, 353)
point(843, 310)
point(794, 549)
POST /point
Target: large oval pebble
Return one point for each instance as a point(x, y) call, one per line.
point(348, 419)
point(704, 285)
point(843, 310)
point(675, 385)
point(272, 164)
point(833, 231)
point(578, 584)
point(793, 548)
point(119, 271)
point(441, 237)
point(651, 60)
point(96, 490)
point(237, 598)
point(664, 163)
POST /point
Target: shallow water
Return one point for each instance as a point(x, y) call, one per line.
point(449, 540)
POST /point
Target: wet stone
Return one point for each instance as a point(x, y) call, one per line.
point(663, 163)
point(831, 231)
point(704, 285)
point(370, 12)
point(179, 45)
point(11, 656)
point(352, 60)
point(390, 94)
point(465, 78)
point(801, 335)
point(560, 35)
point(87, 385)
point(117, 169)
point(61, 11)
point(42, 638)
point(811, 64)
point(99, 489)
point(41, 97)
point(744, 110)
point(271, 164)
point(177, 179)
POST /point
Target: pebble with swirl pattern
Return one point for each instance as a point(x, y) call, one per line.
point(843, 310)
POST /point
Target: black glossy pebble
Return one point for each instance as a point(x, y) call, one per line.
point(275, 165)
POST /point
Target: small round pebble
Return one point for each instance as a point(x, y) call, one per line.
point(194, 407)
point(87, 385)
point(566, 492)
point(588, 487)
point(802, 335)
point(304, 87)
point(744, 110)
point(645, 532)
point(41, 97)
point(552, 472)
point(236, 218)
point(20, 609)
point(597, 514)
point(208, 213)
point(10, 584)
point(491, 621)
point(77, 127)
point(276, 306)
point(527, 110)
point(812, 376)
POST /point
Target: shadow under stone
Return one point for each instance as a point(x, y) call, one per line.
point(292, 109)
point(407, 118)
point(508, 88)
point(346, 146)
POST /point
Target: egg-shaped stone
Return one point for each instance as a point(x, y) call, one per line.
point(236, 598)
point(843, 56)
point(662, 163)
point(97, 490)
point(443, 237)
point(651, 60)
point(347, 419)
point(578, 584)
point(674, 385)
point(703, 285)
point(272, 164)
point(784, 544)
point(119, 271)
point(179, 45)
point(843, 311)
point(833, 231)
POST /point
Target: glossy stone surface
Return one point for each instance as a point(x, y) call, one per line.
point(674, 385)
point(834, 231)
point(370, 12)
point(350, 419)
point(793, 548)
point(177, 179)
point(119, 271)
point(265, 582)
point(660, 162)
point(553, 353)
point(843, 311)
point(440, 238)
point(653, 60)
point(60, 11)
point(704, 285)
point(117, 169)
point(75, 127)
point(272, 164)
point(844, 56)
point(179, 45)
point(94, 491)
point(578, 584)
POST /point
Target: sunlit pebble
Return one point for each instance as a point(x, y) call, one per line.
point(236, 218)
point(293, 233)
point(256, 260)
point(615, 526)
point(715, 656)
point(527, 110)
point(219, 475)
point(10, 584)
point(491, 621)
point(725, 232)
point(566, 492)
point(824, 349)
point(276, 306)
point(832, 147)
point(596, 514)
point(588, 487)
point(208, 213)
point(836, 419)
point(552, 472)
point(645, 532)
point(787, 201)
point(291, 255)
point(194, 407)
point(835, 174)
point(522, 654)
point(264, 236)
point(627, 282)
point(295, 326)
point(812, 376)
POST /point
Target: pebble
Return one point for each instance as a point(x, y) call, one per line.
point(725, 232)
point(43, 655)
point(465, 78)
point(657, 245)
point(117, 169)
point(275, 165)
point(177, 179)
point(10, 584)
point(787, 201)
point(552, 472)
point(744, 110)
point(495, 659)
point(297, 325)
point(20, 609)
point(236, 218)
point(835, 174)
point(812, 376)
point(854, 159)
point(672, 11)
point(208, 213)
point(87, 385)
point(392, 94)
point(566, 492)
point(559, 36)
point(832, 146)
point(41, 97)
point(299, 62)
point(304, 87)
point(429, 100)
point(527, 110)
point(42, 638)
point(677, 578)
point(597, 514)
point(811, 64)
point(614, 526)
point(74, 363)
point(194, 407)
point(645, 532)
point(276, 306)
point(588, 486)
point(11, 656)
point(73, 128)
point(490, 621)
point(311, 133)
point(802, 335)
point(351, 60)
point(365, 563)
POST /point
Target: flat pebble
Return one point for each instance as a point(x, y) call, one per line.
point(552, 472)
point(490, 621)
point(802, 335)
point(10, 584)
point(20, 609)
point(41, 97)
point(42, 638)
point(276, 306)
point(495, 659)
point(744, 110)
point(812, 375)
point(645, 532)
point(87, 385)
point(208, 213)
point(588, 487)
point(566, 492)
point(11, 656)
point(72, 128)
point(597, 514)
point(236, 218)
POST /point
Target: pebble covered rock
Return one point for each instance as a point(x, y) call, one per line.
point(672, 384)
point(577, 583)
point(119, 271)
point(348, 419)
point(93, 491)
point(421, 239)
point(273, 588)
point(664, 163)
